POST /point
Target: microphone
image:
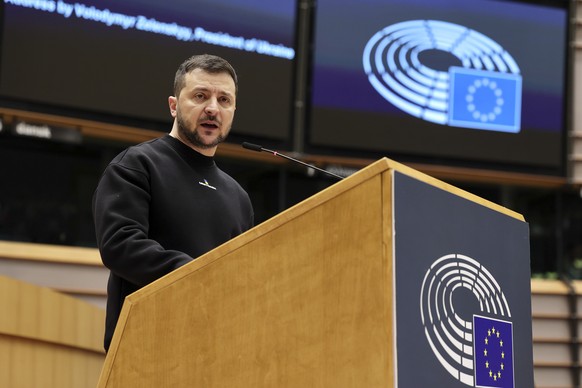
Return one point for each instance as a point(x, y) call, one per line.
point(258, 148)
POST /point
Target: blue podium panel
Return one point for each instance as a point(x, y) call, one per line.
point(462, 291)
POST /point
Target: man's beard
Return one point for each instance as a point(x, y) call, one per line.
point(193, 137)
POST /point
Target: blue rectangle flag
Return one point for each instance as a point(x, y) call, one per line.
point(493, 352)
point(487, 100)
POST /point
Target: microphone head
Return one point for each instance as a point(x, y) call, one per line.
point(251, 146)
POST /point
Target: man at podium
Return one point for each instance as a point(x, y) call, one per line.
point(162, 203)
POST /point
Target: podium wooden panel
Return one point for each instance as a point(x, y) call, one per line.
point(48, 339)
point(304, 299)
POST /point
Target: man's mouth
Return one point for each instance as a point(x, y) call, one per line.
point(209, 125)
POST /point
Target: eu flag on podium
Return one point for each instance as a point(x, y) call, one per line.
point(493, 350)
point(487, 100)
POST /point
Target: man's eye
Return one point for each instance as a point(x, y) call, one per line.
point(199, 96)
point(225, 100)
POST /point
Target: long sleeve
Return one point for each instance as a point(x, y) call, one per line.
point(121, 214)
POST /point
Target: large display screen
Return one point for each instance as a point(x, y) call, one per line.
point(119, 57)
point(480, 81)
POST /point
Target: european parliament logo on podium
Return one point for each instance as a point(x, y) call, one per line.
point(478, 352)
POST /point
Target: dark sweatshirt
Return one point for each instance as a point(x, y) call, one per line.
point(158, 206)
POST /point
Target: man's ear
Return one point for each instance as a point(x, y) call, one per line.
point(173, 104)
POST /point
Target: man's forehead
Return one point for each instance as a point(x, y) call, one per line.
point(200, 79)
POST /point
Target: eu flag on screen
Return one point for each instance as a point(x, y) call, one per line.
point(486, 100)
point(493, 350)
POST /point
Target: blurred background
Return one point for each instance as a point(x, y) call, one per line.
point(481, 94)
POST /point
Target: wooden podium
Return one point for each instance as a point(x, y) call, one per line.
point(305, 299)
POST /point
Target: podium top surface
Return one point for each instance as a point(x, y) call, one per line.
point(385, 164)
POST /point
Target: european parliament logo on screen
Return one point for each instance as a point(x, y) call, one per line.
point(476, 350)
point(483, 93)
point(484, 100)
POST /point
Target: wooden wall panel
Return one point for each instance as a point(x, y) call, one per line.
point(48, 339)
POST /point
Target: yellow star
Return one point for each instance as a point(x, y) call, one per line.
point(489, 333)
point(502, 354)
point(494, 377)
point(487, 364)
point(485, 353)
point(486, 341)
point(498, 334)
point(490, 373)
point(493, 330)
point(501, 343)
point(502, 366)
point(499, 374)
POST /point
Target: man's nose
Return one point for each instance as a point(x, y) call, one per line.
point(211, 107)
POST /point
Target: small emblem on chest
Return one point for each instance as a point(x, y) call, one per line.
point(206, 184)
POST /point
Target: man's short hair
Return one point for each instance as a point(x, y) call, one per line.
point(209, 63)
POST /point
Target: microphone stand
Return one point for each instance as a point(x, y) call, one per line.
point(258, 148)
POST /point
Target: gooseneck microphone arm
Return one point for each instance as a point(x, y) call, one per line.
point(258, 148)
